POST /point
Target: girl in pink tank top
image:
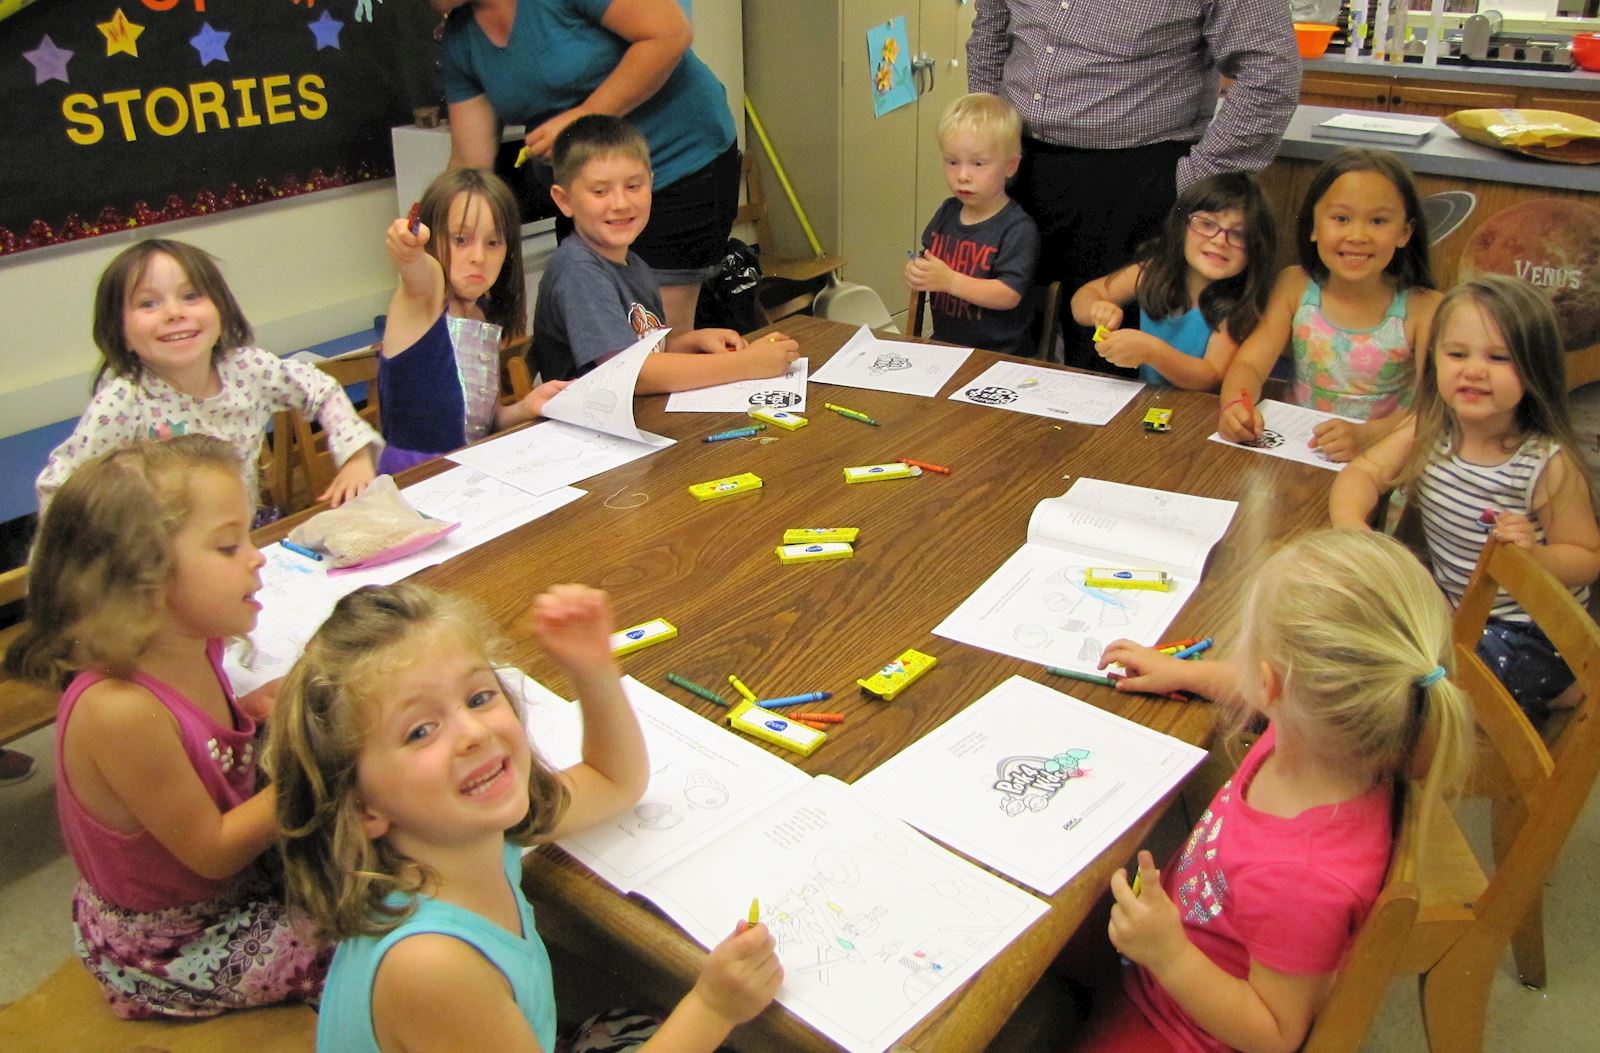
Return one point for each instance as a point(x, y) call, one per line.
point(144, 565)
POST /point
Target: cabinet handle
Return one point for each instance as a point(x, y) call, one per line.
point(919, 65)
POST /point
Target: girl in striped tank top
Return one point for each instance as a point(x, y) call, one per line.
point(1490, 451)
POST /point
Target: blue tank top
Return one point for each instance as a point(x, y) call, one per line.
point(344, 1024)
point(1187, 332)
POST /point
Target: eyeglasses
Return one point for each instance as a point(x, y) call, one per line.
point(1209, 228)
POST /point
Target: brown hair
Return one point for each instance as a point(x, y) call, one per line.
point(1411, 267)
point(506, 302)
point(123, 275)
point(334, 871)
point(594, 136)
point(100, 566)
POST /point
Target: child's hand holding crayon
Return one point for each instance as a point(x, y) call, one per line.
point(1128, 348)
point(1105, 315)
point(406, 246)
point(928, 273)
point(1145, 925)
point(741, 975)
point(1239, 419)
point(1150, 672)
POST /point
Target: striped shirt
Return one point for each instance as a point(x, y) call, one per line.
point(1454, 494)
point(1103, 76)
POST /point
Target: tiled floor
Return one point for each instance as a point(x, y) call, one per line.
point(36, 879)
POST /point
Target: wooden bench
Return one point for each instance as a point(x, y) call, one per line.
point(68, 1012)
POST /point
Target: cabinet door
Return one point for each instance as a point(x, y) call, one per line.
point(1437, 98)
point(1345, 91)
point(878, 164)
point(945, 27)
point(1580, 103)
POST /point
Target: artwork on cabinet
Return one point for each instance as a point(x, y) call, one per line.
point(889, 60)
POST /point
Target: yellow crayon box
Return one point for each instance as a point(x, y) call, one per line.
point(813, 552)
point(772, 727)
point(641, 636)
point(806, 535)
point(899, 674)
point(871, 473)
point(734, 484)
point(1157, 418)
point(779, 419)
point(1117, 578)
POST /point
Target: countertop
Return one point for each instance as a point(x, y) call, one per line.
point(1367, 66)
point(1444, 153)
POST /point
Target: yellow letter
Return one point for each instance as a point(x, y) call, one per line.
point(206, 98)
point(120, 100)
point(279, 106)
point(79, 109)
point(315, 105)
point(247, 112)
point(165, 94)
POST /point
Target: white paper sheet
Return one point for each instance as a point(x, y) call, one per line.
point(704, 779)
point(865, 361)
point(551, 455)
point(1285, 432)
point(1082, 398)
point(1031, 782)
point(875, 925)
point(785, 392)
point(602, 399)
point(298, 594)
point(1037, 607)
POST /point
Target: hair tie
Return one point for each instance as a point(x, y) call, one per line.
point(1429, 679)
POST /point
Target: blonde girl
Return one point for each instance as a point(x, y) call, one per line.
point(1200, 287)
point(1491, 450)
point(1345, 650)
point(461, 294)
point(176, 360)
point(1351, 311)
point(143, 568)
point(407, 787)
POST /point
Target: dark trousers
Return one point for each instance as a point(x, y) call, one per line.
point(1093, 208)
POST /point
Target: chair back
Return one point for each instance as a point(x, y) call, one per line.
point(297, 447)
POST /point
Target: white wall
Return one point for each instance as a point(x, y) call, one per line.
point(305, 270)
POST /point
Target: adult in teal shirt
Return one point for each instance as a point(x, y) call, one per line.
point(545, 63)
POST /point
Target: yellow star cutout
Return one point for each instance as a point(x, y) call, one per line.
point(121, 35)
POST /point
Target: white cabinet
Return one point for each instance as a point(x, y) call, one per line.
point(868, 184)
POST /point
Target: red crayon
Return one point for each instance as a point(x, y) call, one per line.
point(820, 718)
point(414, 220)
point(925, 466)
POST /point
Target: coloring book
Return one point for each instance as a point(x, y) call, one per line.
point(1031, 782)
point(1039, 606)
point(875, 924)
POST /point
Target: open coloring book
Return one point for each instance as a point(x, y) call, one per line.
point(1038, 606)
point(590, 430)
point(875, 924)
point(1031, 782)
point(1286, 432)
point(865, 361)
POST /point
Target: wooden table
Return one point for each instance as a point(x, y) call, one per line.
point(925, 545)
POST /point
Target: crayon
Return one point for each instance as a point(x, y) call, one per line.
point(695, 689)
point(744, 692)
point(1249, 403)
point(924, 465)
point(754, 916)
point(1137, 884)
point(414, 219)
point(814, 725)
point(522, 158)
point(1194, 649)
point(793, 700)
point(301, 550)
point(735, 433)
point(852, 414)
point(1177, 645)
point(1073, 674)
point(1176, 696)
point(820, 718)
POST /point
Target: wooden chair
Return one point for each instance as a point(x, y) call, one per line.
point(24, 706)
point(516, 379)
point(1049, 314)
point(1463, 920)
point(297, 447)
point(69, 1012)
point(779, 273)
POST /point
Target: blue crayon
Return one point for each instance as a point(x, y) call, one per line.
point(736, 433)
point(1194, 649)
point(794, 700)
point(301, 550)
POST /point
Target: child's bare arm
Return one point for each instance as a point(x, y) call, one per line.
point(507, 415)
point(738, 980)
point(1571, 549)
point(1252, 364)
point(1356, 491)
point(1131, 348)
point(928, 273)
point(478, 1010)
point(670, 371)
point(1100, 302)
point(573, 624)
point(132, 744)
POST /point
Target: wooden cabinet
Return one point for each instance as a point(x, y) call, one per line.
point(868, 184)
point(1435, 98)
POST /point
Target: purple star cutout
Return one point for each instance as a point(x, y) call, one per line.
point(210, 44)
point(326, 30)
point(49, 61)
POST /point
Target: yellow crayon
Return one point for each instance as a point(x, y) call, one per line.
point(1136, 882)
point(744, 692)
point(755, 912)
point(522, 158)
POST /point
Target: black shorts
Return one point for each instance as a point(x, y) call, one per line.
point(689, 222)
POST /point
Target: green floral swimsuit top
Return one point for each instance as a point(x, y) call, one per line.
point(1355, 373)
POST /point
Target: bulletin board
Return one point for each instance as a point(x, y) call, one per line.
point(130, 113)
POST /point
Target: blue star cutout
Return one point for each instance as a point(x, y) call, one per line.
point(326, 30)
point(49, 61)
point(210, 44)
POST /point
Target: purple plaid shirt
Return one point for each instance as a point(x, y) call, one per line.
point(1102, 76)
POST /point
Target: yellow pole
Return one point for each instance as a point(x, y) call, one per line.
point(783, 178)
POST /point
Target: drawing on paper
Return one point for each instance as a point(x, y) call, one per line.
point(1029, 783)
point(1269, 440)
point(780, 399)
point(704, 790)
point(992, 396)
point(889, 362)
point(656, 816)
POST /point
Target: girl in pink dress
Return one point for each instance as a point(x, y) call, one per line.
point(143, 567)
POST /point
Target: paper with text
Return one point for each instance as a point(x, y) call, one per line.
point(787, 392)
point(1039, 608)
point(865, 361)
point(1030, 781)
point(1022, 387)
point(1286, 431)
point(875, 925)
